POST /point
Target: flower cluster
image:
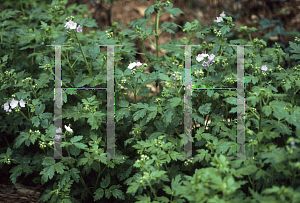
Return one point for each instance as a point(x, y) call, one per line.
point(200, 57)
point(219, 19)
point(72, 26)
point(13, 104)
point(134, 64)
point(57, 137)
point(176, 76)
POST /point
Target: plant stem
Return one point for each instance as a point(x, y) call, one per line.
point(99, 176)
point(87, 66)
point(27, 120)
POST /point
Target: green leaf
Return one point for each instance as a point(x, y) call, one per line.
point(123, 103)
point(132, 188)
point(74, 173)
point(94, 51)
point(105, 182)
point(160, 126)
point(139, 114)
point(122, 112)
point(173, 11)
point(86, 81)
point(247, 170)
point(174, 102)
point(267, 110)
point(231, 100)
point(167, 116)
point(149, 10)
point(36, 121)
point(76, 138)
point(39, 109)
point(151, 116)
point(99, 194)
point(204, 109)
point(225, 146)
point(80, 145)
point(278, 109)
point(127, 71)
point(47, 173)
point(118, 194)
point(210, 92)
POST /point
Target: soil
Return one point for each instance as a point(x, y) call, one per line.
point(124, 11)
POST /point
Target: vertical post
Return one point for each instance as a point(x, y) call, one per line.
point(110, 104)
point(188, 106)
point(58, 104)
point(240, 104)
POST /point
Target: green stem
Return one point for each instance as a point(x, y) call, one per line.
point(293, 95)
point(152, 190)
point(7, 142)
point(167, 169)
point(27, 119)
point(70, 64)
point(250, 38)
point(99, 174)
point(86, 63)
point(81, 179)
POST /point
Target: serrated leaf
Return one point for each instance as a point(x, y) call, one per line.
point(151, 116)
point(94, 51)
point(167, 116)
point(86, 81)
point(267, 110)
point(278, 111)
point(118, 194)
point(99, 194)
point(39, 109)
point(173, 11)
point(47, 173)
point(123, 103)
point(139, 114)
point(231, 100)
point(127, 71)
point(76, 138)
point(160, 126)
point(80, 145)
point(174, 102)
point(204, 109)
point(36, 121)
point(105, 182)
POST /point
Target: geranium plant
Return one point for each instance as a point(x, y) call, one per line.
point(149, 134)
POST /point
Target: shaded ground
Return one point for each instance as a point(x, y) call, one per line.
point(204, 11)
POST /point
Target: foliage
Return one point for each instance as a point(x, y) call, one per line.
point(150, 130)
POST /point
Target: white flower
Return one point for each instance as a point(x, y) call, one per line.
point(79, 29)
point(57, 137)
point(58, 130)
point(200, 57)
point(6, 107)
point(219, 19)
point(68, 128)
point(132, 65)
point(139, 64)
point(22, 103)
point(222, 15)
point(211, 57)
point(264, 68)
point(71, 25)
point(14, 103)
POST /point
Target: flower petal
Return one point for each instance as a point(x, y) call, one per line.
point(14, 103)
point(22, 103)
